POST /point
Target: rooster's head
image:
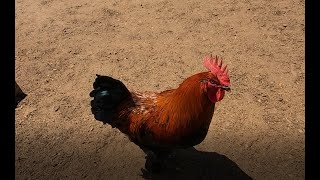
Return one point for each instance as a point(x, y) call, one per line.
point(217, 80)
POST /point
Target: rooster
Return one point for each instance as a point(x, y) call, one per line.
point(161, 122)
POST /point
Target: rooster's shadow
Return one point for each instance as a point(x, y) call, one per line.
point(193, 164)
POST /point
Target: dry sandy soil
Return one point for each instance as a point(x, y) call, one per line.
point(257, 130)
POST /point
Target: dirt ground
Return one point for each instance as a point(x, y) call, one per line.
point(257, 129)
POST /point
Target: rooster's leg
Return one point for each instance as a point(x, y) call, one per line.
point(153, 163)
point(156, 160)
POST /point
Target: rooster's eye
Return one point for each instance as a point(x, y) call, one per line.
point(212, 82)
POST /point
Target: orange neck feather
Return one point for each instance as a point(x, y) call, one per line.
point(187, 106)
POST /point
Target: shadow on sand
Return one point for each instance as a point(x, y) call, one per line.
point(19, 94)
point(193, 164)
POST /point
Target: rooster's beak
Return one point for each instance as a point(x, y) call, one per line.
point(227, 88)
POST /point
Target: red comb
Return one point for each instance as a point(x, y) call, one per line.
point(216, 68)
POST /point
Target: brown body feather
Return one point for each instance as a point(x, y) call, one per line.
point(176, 118)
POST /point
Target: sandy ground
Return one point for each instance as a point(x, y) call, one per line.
point(257, 130)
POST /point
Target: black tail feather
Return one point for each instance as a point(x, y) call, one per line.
point(107, 94)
